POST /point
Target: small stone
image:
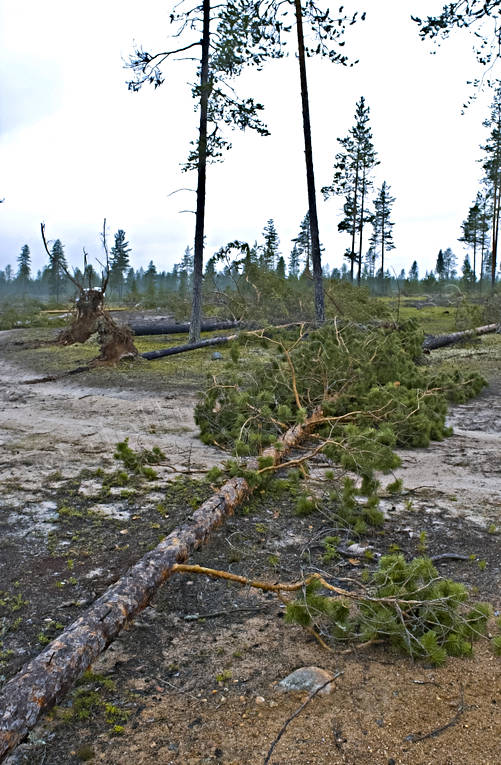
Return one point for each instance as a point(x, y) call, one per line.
point(307, 679)
point(216, 356)
point(260, 700)
point(356, 549)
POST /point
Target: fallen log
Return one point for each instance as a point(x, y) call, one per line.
point(162, 328)
point(152, 355)
point(431, 342)
point(45, 679)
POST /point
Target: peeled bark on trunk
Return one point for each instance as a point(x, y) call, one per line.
point(440, 341)
point(45, 679)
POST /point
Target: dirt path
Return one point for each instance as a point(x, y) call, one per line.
point(63, 428)
point(193, 681)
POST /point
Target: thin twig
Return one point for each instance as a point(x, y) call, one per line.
point(296, 713)
point(414, 739)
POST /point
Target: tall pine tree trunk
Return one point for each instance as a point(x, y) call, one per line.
point(198, 256)
point(361, 230)
point(383, 218)
point(312, 201)
point(354, 222)
point(495, 230)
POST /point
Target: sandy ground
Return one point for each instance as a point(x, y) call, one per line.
point(60, 429)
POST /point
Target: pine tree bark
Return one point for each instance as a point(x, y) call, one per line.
point(198, 255)
point(361, 228)
point(354, 223)
point(310, 176)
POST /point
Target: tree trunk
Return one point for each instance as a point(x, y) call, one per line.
point(440, 341)
point(310, 177)
point(361, 229)
point(151, 355)
point(198, 256)
point(354, 223)
point(160, 328)
point(494, 234)
point(383, 219)
point(43, 681)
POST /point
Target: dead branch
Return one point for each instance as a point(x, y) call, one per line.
point(462, 708)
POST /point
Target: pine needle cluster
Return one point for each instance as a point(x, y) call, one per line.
point(407, 605)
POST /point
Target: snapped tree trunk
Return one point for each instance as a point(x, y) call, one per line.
point(310, 176)
point(198, 256)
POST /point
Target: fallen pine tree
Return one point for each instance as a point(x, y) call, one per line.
point(156, 327)
point(431, 342)
point(45, 679)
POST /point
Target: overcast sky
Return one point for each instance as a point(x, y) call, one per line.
point(76, 146)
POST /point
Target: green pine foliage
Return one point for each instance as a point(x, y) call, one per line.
point(368, 381)
point(139, 462)
point(407, 605)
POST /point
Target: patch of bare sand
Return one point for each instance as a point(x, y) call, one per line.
point(56, 428)
point(460, 476)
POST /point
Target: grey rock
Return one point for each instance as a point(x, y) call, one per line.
point(307, 679)
point(216, 355)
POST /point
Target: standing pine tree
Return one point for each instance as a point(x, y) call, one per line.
point(414, 272)
point(280, 270)
point(269, 251)
point(119, 262)
point(294, 261)
point(450, 263)
point(303, 243)
point(468, 278)
point(57, 269)
point(440, 266)
point(352, 171)
point(492, 179)
point(233, 41)
point(150, 278)
point(24, 266)
point(382, 225)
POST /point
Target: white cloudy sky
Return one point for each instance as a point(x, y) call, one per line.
point(76, 146)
